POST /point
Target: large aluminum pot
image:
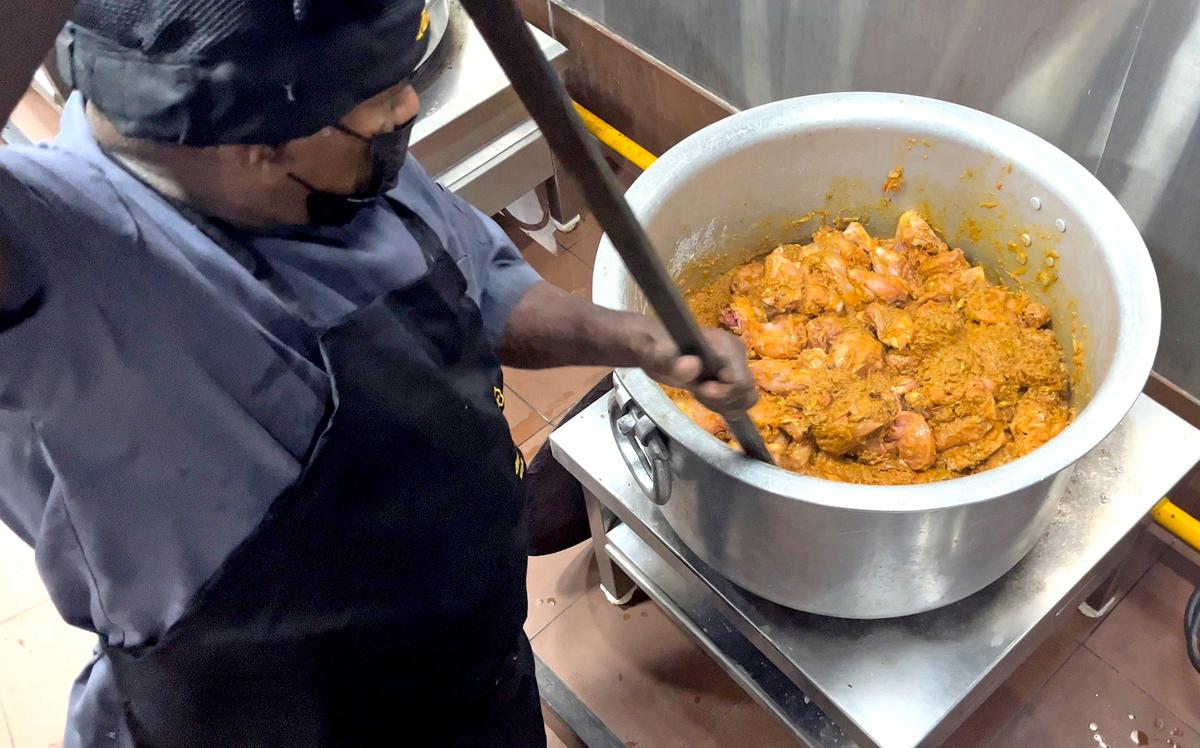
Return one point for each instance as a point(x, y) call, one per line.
point(740, 186)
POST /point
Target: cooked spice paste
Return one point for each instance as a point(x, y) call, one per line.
point(887, 360)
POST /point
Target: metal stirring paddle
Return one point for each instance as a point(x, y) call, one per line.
point(504, 30)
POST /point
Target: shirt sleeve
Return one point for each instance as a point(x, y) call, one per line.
point(25, 326)
point(501, 274)
point(21, 273)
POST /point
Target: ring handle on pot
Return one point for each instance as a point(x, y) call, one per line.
point(641, 445)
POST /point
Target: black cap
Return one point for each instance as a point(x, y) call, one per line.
point(216, 72)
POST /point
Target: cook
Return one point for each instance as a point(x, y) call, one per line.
point(250, 387)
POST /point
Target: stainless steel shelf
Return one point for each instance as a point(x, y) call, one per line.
point(898, 682)
point(474, 135)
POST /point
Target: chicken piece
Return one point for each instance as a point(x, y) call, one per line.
point(904, 386)
point(961, 431)
point(894, 327)
point(914, 232)
point(781, 376)
point(829, 281)
point(797, 455)
point(992, 306)
point(853, 415)
point(1036, 420)
point(951, 261)
point(892, 259)
point(1035, 315)
point(1006, 454)
point(771, 412)
point(935, 324)
point(795, 429)
point(797, 252)
point(905, 363)
point(783, 282)
point(933, 399)
point(745, 279)
point(970, 280)
point(838, 243)
point(821, 296)
point(995, 305)
point(939, 287)
point(823, 330)
point(856, 351)
point(781, 337)
point(953, 286)
point(895, 180)
point(1017, 357)
point(872, 285)
point(777, 444)
point(913, 439)
point(700, 415)
point(966, 456)
point(740, 315)
point(859, 237)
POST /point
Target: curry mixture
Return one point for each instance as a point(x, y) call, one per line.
point(887, 360)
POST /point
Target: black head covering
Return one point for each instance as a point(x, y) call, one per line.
point(213, 72)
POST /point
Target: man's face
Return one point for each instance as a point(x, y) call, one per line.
point(333, 161)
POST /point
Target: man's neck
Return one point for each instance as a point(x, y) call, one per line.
point(216, 182)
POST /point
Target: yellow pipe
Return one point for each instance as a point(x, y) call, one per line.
point(1177, 522)
point(615, 139)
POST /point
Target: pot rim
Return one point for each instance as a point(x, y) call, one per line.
point(1134, 279)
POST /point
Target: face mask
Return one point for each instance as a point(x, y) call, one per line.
point(387, 152)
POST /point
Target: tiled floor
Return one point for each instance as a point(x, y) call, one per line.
point(654, 688)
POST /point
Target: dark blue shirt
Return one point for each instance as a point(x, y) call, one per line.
point(162, 387)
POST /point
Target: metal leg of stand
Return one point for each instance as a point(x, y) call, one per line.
point(1099, 603)
point(618, 588)
point(554, 206)
point(1104, 598)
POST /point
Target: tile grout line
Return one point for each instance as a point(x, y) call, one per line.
point(22, 612)
point(1032, 695)
point(532, 409)
point(546, 625)
point(12, 742)
point(1166, 709)
point(532, 436)
point(590, 265)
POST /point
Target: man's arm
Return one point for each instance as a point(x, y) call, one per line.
point(550, 327)
point(535, 325)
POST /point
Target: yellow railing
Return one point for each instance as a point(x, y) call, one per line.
point(1177, 522)
point(615, 139)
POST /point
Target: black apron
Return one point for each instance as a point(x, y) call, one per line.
point(381, 599)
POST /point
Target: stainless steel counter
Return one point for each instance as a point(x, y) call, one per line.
point(474, 135)
point(900, 682)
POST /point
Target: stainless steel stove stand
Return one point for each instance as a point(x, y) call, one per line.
point(900, 682)
point(474, 135)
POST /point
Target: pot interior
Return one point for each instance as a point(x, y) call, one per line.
point(1003, 211)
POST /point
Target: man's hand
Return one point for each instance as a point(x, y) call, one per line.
point(732, 391)
point(550, 327)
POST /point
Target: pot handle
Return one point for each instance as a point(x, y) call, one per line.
point(641, 445)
